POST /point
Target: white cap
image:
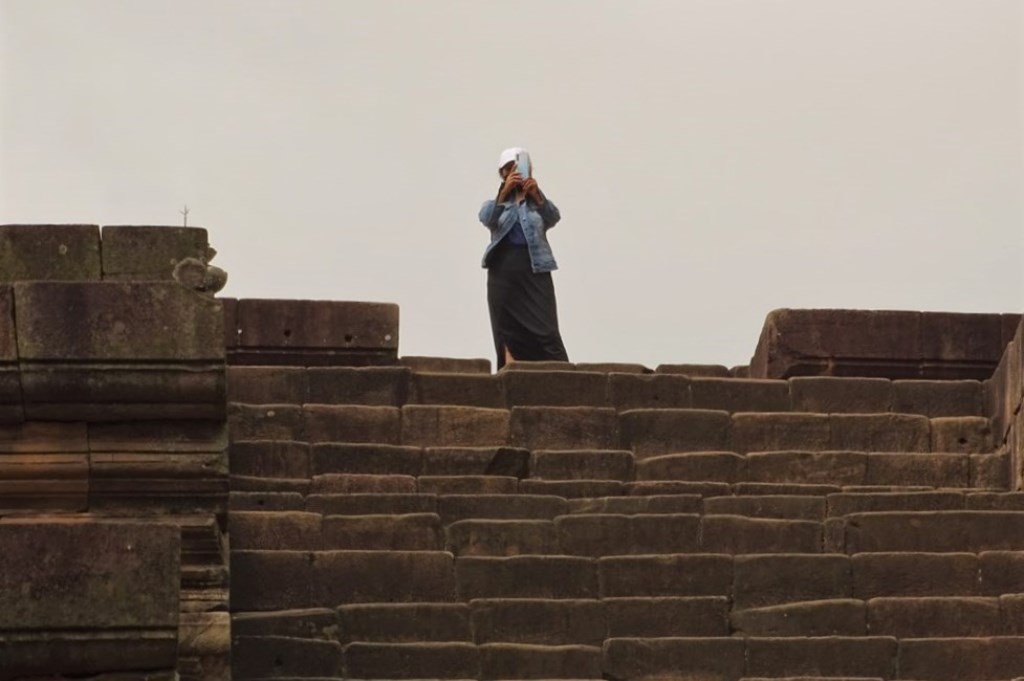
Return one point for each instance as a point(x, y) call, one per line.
point(508, 155)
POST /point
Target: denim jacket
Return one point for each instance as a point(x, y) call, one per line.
point(535, 221)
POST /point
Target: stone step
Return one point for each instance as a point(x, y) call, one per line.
point(575, 464)
point(962, 659)
point(836, 617)
point(664, 503)
point(539, 621)
point(408, 532)
point(574, 386)
point(266, 501)
point(529, 661)
point(930, 531)
point(412, 660)
point(778, 506)
point(667, 616)
point(734, 658)
point(573, 489)
point(455, 507)
point(405, 622)
point(652, 576)
point(310, 623)
point(502, 538)
point(371, 504)
point(284, 580)
point(554, 577)
point(253, 656)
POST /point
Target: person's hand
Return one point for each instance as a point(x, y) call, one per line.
point(532, 190)
point(512, 181)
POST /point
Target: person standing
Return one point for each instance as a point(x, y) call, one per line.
point(519, 262)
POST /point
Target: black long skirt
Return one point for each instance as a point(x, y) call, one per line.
point(524, 314)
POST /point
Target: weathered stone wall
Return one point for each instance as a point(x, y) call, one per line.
point(884, 344)
point(1004, 396)
point(113, 455)
point(310, 333)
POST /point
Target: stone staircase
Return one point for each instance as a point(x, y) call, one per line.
point(436, 521)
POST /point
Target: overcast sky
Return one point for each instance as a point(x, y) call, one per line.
point(712, 159)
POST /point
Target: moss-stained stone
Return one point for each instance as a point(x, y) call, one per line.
point(49, 253)
point(116, 321)
point(133, 252)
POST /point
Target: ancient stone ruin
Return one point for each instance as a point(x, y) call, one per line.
point(201, 488)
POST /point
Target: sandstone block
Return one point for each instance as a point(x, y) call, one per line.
point(935, 531)
point(553, 577)
point(952, 659)
point(829, 656)
point(446, 365)
point(969, 434)
point(666, 616)
point(266, 422)
point(609, 535)
point(44, 482)
point(846, 503)
point(8, 341)
point(411, 661)
point(880, 432)
point(613, 367)
point(668, 503)
point(833, 395)
point(455, 507)
point(738, 535)
point(49, 253)
point(373, 459)
point(694, 370)
point(1012, 609)
point(505, 461)
point(369, 386)
point(405, 622)
point(143, 253)
point(501, 537)
point(960, 337)
point(317, 325)
point(672, 487)
point(787, 488)
point(937, 398)
point(666, 575)
point(345, 483)
point(932, 470)
point(694, 466)
point(774, 432)
point(539, 621)
point(649, 391)
point(837, 617)
point(266, 501)
point(458, 389)
point(763, 580)
point(651, 432)
point(275, 530)
point(106, 575)
point(371, 503)
point(884, 343)
point(780, 506)
point(582, 464)
point(268, 385)
point(446, 426)
point(467, 484)
point(244, 483)
point(524, 661)
point(710, 659)
point(837, 468)
point(1001, 572)
point(270, 458)
point(995, 501)
point(117, 321)
point(564, 428)
point(405, 532)
point(288, 657)
point(351, 423)
point(991, 471)
point(186, 482)
point(914, 574)
point(739, 395)
point(43, 438)
point(382, 576)
point(934, 617)
point(555, 388)
point(309, 623)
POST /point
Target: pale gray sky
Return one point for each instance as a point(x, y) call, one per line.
point(713, 159)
